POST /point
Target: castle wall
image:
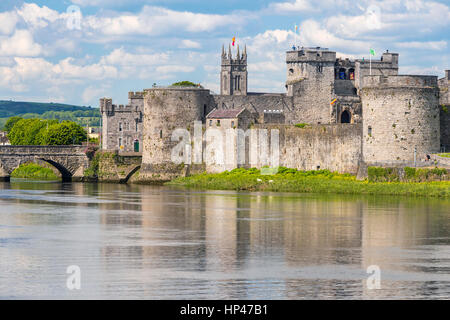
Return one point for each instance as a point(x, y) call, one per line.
point(387, 66)
point(122, 125)
point(310, 81)
point(166, 110)
point(352, 104)
point(344, 87)
point(444, 88)
point(332, 147)
point(401, 113)
point(312, 98)
point(445, 127)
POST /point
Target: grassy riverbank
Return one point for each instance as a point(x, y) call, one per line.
point(321, 181)
point(33, 171)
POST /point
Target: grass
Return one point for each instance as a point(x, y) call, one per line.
point(320, 181)
point(445, 155)
point(33, 171)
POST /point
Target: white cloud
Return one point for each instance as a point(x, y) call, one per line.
point(36, 16)
point(189, 44)
point(314, 35)
point(92, 93)
point(67, 69)
point(123, 58)
point(428, 45)
point(174, 69)
point(20, 44)
point(8, 22)
point(293, 7)
point(153, 21)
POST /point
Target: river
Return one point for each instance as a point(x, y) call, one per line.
point(150, 242)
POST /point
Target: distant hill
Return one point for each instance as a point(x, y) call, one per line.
point(80, 114)
point(13, 108)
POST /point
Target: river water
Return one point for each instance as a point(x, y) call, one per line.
point(149, 242)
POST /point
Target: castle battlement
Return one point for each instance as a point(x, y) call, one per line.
point(400, 81)
point(310, 55)
point(136, 95)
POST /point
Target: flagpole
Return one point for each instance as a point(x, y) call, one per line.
point(370, 63)
point(295, 36)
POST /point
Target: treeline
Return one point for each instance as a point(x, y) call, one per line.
point(14, 108)
point(29, 110)
point(44, 132)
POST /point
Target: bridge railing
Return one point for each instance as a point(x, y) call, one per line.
point(71, 149)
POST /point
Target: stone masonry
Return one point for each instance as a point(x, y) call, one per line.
point(71, 161)
point(390, 115)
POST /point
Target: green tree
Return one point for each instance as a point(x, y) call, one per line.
point(10, 123)
point(27, 131)
point(184, 84)
point(64, 133)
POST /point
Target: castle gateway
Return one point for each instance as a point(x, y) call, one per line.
point(351, 114)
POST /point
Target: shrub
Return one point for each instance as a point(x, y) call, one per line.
point(34, 172)
point(378, 174)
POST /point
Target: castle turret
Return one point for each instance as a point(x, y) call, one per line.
point(401, 118)
point(165, 111)
point(387, 65)
point(310, 81)
point(233, 77)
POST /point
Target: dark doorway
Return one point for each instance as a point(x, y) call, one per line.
point(345, 117)
point(136, 145)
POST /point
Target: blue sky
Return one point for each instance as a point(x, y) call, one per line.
point(47, 54)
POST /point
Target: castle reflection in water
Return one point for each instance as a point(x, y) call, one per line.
point(155, 242)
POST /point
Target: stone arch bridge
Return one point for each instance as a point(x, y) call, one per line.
point(70, 161)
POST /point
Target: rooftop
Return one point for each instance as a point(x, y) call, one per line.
point(225, 113)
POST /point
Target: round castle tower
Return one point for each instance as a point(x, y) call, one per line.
point(166, 110)
point(400, 116)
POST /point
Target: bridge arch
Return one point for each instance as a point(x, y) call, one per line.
point(130, 174)
point(70, 161)
point(66, 175)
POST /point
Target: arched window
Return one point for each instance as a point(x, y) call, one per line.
point(351, 74)
point(342, 74)
point(345, 117)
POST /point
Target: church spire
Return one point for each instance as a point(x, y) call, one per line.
point(229, 52)
point(238, 56)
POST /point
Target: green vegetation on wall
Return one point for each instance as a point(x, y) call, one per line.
point(184, 84)
point(407, 174)
point(33, 171)
point(378, 174)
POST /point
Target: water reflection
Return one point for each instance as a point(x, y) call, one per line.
point(157, 242)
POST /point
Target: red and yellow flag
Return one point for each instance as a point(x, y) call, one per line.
point(333, 102)
point(233, 40)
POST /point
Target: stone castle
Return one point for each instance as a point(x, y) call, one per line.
point(354, 113)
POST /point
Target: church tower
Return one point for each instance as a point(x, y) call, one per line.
point(233, 77)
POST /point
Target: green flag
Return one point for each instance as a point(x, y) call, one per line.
point(372, 52)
